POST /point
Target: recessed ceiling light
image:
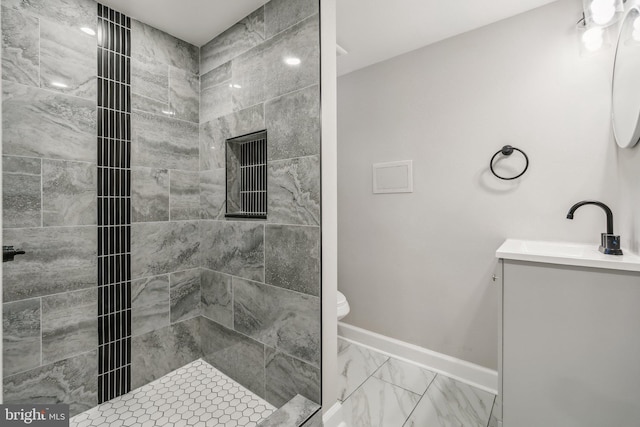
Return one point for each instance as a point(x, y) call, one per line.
point(59, 84)
point(169, 113)
point(292, 60)
point(88, 30)
point(235, 86)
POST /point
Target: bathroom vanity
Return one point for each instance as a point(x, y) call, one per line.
point(569, 336)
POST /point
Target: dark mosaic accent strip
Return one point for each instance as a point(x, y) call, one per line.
point(114, 203)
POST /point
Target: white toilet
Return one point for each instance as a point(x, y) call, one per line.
point(343, 305)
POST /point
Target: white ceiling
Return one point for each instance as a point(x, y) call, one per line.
point(370, 30)
point(386, 28)
point(195, 21)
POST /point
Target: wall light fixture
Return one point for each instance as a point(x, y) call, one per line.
point(602, 13)
point(593, 28)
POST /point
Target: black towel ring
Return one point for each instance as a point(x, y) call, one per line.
point(508, 150)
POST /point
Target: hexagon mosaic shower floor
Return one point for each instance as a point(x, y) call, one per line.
point(195, 395)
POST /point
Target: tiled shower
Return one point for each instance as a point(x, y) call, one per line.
point(126, 231)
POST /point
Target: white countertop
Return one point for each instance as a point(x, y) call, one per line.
point(575, 254)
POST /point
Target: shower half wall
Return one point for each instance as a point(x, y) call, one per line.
point(244, 295)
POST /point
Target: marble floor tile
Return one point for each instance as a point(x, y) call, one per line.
point(69, 324)
point(406, 375)
point(446, 402)
point(20, 47)
point(450, 403)
point(355, 365)
point(493, 421)
point(21, 192)
point(67, 60)
point(246, 34)
point(72, 381)
point(68, 193)
point(185, 295)
point(496, 412)
point(379, 404)
point(21, 336)
point(196, 394)
point(217, 296)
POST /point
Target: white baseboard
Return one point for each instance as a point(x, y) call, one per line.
point(466, 372)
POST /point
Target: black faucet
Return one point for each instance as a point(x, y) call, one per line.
point(8, 253)
point(609, 243)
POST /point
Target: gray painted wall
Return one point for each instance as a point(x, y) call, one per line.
point(418, 267)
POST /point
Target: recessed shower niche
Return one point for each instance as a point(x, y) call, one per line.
point(246, 176)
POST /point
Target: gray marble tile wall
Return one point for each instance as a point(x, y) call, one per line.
point(165, 199)
point(260, 280)
point(49, 198)
point(49, 202)
point(166, 104)
point(163, 350)
point(202, 286)
point(150, 304)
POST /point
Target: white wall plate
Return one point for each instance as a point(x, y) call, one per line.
point(393, 177)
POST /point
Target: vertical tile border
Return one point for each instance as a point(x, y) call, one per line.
point(114, 203)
